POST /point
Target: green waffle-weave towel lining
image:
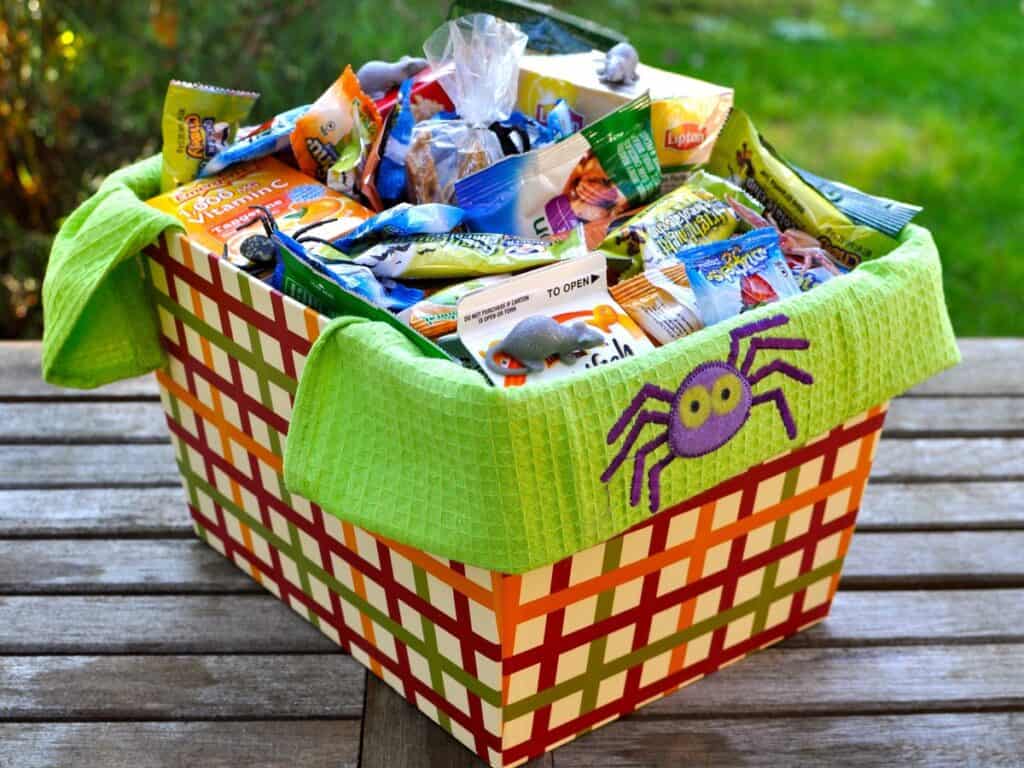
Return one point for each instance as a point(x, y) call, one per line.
point(100, 322)
point(428, 454)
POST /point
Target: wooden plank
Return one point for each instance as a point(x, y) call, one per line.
point(898, 460)
point(949, 459)
point(994, 740)
point(69, 466)
point(99, 566)
point(22, 379)
point(849, 681)
point(96, 422)
point(395, 733)
point(262, 744)
point(155, 624)
point(935, 559)
point(263, 624)
point(181, 687)
point(942, 506)
point(955, 417)
point(989, 367)
point(95, 512)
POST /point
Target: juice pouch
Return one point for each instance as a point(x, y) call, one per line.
point(597, 173)
point(217, 212)
point(661, 302)
point(732, 276)
point(548, 323)
point(339, 127)
point(462, 254)
point(694, 213)
point(743, 156)
point(198, 122)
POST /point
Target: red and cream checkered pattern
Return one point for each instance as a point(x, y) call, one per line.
point(511, 666)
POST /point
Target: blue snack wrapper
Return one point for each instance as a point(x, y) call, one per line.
point(401, 221)
point(271, 137)
point(391, 175)
point(735, 275)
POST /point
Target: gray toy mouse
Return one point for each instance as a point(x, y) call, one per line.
point(379, 77)
point(620, 63)
point(536, 338)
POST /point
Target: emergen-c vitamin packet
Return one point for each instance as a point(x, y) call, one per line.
point(603, 170)
point(732, 276)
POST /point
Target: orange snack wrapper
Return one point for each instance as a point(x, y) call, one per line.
point(342, 122)
point(216, 211)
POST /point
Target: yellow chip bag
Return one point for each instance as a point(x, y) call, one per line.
point(337, 131)
point(198, 122)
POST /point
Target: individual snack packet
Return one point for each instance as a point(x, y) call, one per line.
point(336, 133)
point(689, 215)
point(548, 323)
point(750, 162)
point(885, 215)
point(436, 316)
point(597, 173)
point(391, 174)
point(661, 302)
point(267, 139)
point(479, 55)
point(198, 122)
point(461, 254)
point(400, 221)
point(732, 276)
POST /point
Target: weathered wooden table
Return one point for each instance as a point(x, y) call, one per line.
point(126, 642)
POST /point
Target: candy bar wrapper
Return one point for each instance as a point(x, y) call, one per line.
point(597, 173)
point(198, 122)
point(336, 133)
point(885, 215)
point(736, 275)
point(661, 302)
point(573, 296)
point(789, 202)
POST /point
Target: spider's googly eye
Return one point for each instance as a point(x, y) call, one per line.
point(695, 406)
point(726, 393)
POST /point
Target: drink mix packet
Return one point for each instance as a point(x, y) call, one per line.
point(218, 212)
point(597, 173)
point(696, 212)
point(548, 323)
point(198, 122)
point(732, 276)
point(661, 302)
point(463, 254)
point(335, 134)
point(791, 203)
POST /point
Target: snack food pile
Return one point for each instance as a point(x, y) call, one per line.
point(514, 201)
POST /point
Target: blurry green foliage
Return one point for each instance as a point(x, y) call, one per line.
point(914, 99)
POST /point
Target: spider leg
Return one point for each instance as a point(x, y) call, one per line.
point(780, 366)
point(645, 418)
point(654, 480)
point(638, 467)
point(647, 392)
point(303, 230)
point(779, 398)
point(770, 342)
point(751, 329)
point(267, 219)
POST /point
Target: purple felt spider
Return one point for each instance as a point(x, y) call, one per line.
point(708, 408)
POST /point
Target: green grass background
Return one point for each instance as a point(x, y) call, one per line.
point(920, 100)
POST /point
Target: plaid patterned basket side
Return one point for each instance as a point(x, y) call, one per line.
point(511, 666)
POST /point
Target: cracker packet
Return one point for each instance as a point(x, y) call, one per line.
point(696, 212)
point(335, 134)
point(198, 122)
point(661, 302)
point(791, 203)
point(736, 275)
point(598, 173)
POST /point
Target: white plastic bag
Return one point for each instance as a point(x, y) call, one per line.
point(482, 54)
